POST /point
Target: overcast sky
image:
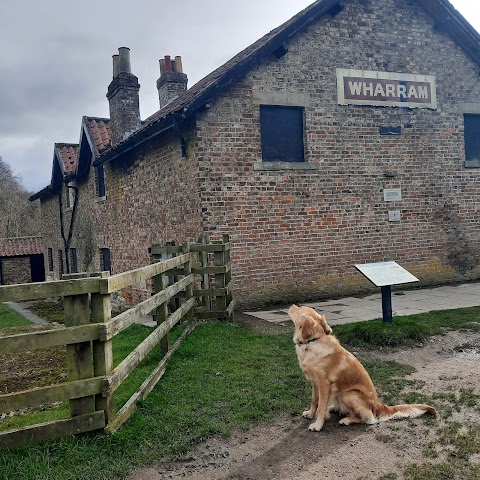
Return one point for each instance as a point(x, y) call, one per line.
point(55, 60)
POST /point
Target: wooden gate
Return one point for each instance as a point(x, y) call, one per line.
point(199, 287)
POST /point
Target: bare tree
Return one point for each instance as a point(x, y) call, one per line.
point(18, 216)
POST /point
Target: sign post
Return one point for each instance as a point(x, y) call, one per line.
point(384, 275)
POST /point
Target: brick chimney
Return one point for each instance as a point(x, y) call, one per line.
point(172, 82)
point(123, 98)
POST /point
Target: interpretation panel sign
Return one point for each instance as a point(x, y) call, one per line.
point(387, 89)
point(382, 274)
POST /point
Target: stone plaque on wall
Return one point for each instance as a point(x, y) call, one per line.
point(387, 89)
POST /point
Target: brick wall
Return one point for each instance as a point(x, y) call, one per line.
point(15, 270)
point(150, 198)
point(297, 234)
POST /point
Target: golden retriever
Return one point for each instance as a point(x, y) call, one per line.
point(339, 380)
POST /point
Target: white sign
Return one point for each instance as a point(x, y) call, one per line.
point(387, 89)
point(392, 194)
point(382, 274)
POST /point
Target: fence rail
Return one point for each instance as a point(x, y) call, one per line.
point(191, 281)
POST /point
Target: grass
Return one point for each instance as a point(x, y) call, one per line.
point(50, 311)
point(10, 318)
point(123, 344)
point(226, 377)
point(406, 331)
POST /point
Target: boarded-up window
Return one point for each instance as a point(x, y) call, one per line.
point(100, 181)
point(61, 269)
point(74, 260)
point(281, 130)
point(105, 261)
point(50, 259)
point(472, 137)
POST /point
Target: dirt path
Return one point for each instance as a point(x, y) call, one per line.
point(286, 450)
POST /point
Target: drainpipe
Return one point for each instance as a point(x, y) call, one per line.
point(67, 240)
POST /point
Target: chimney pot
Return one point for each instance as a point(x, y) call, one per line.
point(172, 82)
point(116, 65)
point(124, 60)
point(168, 63)
point(178, 64)
point(123, 98)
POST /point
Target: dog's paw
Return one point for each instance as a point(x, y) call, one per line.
point(315, 427)
point(308, 414)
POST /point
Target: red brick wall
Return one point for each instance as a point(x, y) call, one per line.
point(151, 197)
point(297, 234)
point(15, 270)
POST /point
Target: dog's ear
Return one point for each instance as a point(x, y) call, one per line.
point(323, 322)
point(292, 312)
point(308, 327)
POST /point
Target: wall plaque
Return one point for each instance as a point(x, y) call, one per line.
point(392, 194)
point(387, 89)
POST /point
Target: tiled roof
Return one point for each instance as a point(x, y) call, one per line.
point(11, 247)
point(68, 154)
point(100, 132)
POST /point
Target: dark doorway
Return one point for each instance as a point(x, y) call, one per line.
point(37, 266)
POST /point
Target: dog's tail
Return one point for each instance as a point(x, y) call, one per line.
point(385, 412)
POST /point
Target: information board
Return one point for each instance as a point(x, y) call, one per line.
point(382, 274)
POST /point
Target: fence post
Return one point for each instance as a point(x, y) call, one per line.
point(161, 313)
point(79, 355)
point(205, 279)
point(101, 310)
point(220, 282)
point(228, 277)
point(174, 301)
point(189, 289)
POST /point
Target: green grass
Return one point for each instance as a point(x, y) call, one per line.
point(10, 318)
point(49, 311)
point(406, 331)
point(226, 377)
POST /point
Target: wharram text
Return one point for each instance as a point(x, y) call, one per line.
point(386, 89)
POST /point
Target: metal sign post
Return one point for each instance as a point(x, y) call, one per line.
point(384, 275)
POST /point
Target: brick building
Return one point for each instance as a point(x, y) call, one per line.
point(347, 135)
point(21, 260)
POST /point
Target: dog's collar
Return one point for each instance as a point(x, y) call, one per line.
point(307, 343)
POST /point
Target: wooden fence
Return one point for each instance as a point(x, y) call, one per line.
point(190, 282)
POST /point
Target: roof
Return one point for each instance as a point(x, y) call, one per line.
point(19, 246)
point(214, 83)
point(99, 130)
point(67, 155)
point(446, 19)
